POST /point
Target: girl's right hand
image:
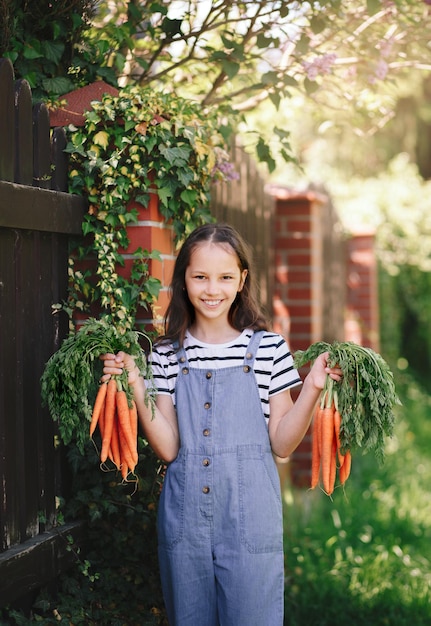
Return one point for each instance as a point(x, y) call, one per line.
point(115, 364)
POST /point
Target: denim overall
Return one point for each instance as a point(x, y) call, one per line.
point(220, 514)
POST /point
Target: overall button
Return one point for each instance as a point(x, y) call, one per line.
point(182, 359)
point(205, 462)
point(206, 432)
point(205, 489)
point(207, 405)
point(248, 355)
point(246, 368)
point(208, 375)
point(185, 370)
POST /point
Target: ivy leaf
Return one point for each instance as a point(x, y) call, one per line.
point(189, 196)
point(176, 156)
point(164, 194)
point(101, 139)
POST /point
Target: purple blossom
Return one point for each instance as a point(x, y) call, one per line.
point(320, 65)
point(223, 169)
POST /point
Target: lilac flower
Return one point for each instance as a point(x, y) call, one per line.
point(223, 169)
point(319, 66)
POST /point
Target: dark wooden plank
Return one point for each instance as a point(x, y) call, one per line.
point(7, 121)
point(36, 562)
point(10, 372)
point(30, 436)
point(40, 209)
point(23, 133)
point(42, 173)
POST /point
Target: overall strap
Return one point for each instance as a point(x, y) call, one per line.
point(252, 347)
point(180, 352)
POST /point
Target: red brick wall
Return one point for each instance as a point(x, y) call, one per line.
point(298, 301)
point(325, 288)
point(152, 233)
point(362, 315)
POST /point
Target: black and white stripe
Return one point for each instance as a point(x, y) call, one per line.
point(273, 365)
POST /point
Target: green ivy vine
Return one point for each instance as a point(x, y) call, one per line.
point(138, 143)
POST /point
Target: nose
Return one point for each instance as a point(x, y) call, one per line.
point(212, 286)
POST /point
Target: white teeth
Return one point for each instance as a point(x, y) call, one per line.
point(212, 302)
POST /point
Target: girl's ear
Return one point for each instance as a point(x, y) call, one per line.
point(242, 281)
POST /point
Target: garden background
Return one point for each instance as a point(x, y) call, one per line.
point(372, 155)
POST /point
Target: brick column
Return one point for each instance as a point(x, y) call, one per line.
point(298, 301)
point(362, 320)
point(152, 233)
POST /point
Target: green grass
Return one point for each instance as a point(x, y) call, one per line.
point(365, 555)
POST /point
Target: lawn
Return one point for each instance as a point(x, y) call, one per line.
point(364, 556)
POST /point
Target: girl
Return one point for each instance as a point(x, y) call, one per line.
point(223, 409)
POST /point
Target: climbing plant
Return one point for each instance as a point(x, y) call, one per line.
point(138, 143)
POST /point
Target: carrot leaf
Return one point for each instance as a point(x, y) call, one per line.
point(365, 396)
point(69, 382)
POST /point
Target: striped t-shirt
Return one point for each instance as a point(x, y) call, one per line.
point(273, 364)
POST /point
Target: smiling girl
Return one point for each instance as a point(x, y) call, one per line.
point(223, 409)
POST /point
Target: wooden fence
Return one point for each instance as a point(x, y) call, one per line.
point(37, 218)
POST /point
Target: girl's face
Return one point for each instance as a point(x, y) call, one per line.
point(213, 279)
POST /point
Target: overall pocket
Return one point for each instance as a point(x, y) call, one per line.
point(261, 519)
point(170, 518)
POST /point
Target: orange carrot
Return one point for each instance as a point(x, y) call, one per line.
point(115, 445)
point(101, 420)
point(133, 412)
point(124, 421)
point(108, 418)
point(315, 448)
point(127, 461)
point(97, 407)
point(333, 468)
point(337, 426)
point(346, 467)
point(327, 438)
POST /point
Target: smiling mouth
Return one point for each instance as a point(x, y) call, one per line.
point(212, 303)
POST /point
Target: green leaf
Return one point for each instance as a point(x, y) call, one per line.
point(58, 85)
point(176, 156)
point(275, 99)
point(264, 154)
point(164, 194)
point(33, 50)
point(171, 27)
point(317, 24)
point(269, 78)
point(189, 196)
point(311, 86)
point(230, 68)
point(53, 50)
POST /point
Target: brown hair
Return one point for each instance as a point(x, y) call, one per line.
point(245, 311)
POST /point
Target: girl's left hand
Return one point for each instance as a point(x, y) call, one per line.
point(321, 369)
point(114, 364)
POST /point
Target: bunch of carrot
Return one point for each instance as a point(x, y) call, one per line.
point(117, 422)
point(353, 413)
point(326, 453)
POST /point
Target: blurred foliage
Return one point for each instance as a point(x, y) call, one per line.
point(364, 556)
point(346, 58)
